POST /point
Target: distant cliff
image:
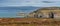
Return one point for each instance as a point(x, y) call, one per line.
point(46, 12)
point(47, 8)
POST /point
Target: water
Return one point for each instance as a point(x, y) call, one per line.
point(12, 11)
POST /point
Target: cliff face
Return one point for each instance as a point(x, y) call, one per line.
point(48, 12)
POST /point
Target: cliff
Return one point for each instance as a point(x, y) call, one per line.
point(45, 11)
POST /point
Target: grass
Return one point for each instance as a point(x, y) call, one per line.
point(30, 22)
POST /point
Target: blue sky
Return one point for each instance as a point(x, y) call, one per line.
point(36, 3)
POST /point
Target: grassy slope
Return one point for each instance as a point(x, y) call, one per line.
point(33, 22)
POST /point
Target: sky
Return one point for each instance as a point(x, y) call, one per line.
point(36, 3)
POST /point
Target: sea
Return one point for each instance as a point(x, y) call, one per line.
point(7, 12)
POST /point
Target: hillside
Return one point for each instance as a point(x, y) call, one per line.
point(46, 12)
point(28, 22)
point(47, 8)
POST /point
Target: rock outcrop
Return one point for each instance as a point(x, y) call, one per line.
point(46, 12)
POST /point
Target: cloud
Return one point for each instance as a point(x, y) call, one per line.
point(48, 2)
point(29, 3)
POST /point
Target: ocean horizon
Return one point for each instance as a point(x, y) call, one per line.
point(12, 11)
